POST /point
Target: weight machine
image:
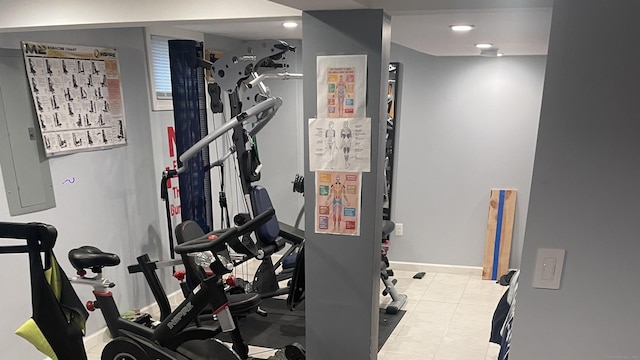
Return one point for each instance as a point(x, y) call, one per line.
point(238, 88)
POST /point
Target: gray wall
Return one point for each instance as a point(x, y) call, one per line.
point(112, 204)
point(584, 193)
point(349, 265)
point(280, 141)
point(466, 125)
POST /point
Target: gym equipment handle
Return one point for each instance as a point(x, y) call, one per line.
point(39, 234)
point(256, 222)
point(204, 243)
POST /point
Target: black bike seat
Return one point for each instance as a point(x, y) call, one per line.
point(89, 257)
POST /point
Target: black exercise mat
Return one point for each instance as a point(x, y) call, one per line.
point(283, 327)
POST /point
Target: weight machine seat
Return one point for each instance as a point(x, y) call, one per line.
point(289, 262)
point(89, 257)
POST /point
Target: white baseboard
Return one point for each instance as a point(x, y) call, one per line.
point(448, 269)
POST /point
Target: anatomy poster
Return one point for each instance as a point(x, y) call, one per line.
point(340, 144)
point(338, 202)
point(342, 83)
point(77, 95)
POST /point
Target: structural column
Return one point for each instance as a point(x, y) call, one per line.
point(343, 272)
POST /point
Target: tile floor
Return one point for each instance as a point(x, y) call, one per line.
point(448, 318)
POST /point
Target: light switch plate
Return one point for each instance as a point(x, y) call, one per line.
point(548, 269)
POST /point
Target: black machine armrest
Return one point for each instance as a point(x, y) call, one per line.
point(291, 234)
point(271, 249)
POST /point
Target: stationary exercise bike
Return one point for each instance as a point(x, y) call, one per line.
point(172, 339)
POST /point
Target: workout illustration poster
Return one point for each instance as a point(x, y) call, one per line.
point(338, 202)
point(342, 86)
point(77, 95)
point(340, 144)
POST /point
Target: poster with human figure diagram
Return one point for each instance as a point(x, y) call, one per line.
point(338, 202)
point(340, 144)
point(342, 82)
point(77, 95)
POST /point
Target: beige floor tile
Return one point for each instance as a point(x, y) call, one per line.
point(477, 285)
point(405, 356)
point(95, 352)
point(260, 353)
point(445, 286)
point(428, 333)
point(451, 295)
point(451, 278)
point(433, 313)
point(492, 352)
point(472, 317)
point(446, 352)
point(485, 299)
point(412, 348)
point(470, 337)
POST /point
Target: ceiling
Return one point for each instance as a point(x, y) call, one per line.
point(515, 27)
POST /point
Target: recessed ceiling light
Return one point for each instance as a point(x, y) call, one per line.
point(290, 24)
point(499, 54)
point(461, 27)
point(484, 46)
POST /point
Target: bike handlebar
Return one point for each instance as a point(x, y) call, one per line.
point(39, 234)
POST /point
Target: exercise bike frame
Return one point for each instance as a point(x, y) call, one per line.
point(171, 331)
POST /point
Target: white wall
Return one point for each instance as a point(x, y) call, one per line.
point(584, 193)
point(112, 204)
point(466, 125)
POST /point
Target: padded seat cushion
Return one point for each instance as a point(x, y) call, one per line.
point(87, 257)
point(290, 261)
point(268, 232)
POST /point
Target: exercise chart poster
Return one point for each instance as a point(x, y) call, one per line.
point(340, 144)
point(338, 202)
point(341, 85)
point(77, 95)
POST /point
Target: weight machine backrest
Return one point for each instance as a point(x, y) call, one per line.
point(260, 201)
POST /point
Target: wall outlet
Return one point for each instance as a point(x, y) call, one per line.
point(399, 230)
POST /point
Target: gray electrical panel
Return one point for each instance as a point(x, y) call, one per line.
point(25, 169)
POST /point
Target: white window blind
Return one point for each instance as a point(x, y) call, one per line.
point(161, 70)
